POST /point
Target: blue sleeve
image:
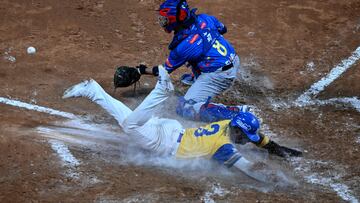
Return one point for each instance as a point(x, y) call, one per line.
point(174, 61)
point(227, 155)
point(187, 50)
point(219, 25)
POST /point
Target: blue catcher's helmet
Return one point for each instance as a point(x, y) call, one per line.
point(248, 123)
point(173, 13)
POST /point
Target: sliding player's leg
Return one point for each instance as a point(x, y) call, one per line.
point(93, 91)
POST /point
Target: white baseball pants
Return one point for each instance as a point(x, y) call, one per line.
point(212, 84)
point(156, 134)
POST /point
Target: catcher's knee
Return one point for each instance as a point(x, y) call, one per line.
point(212, 112)
point(205, 111)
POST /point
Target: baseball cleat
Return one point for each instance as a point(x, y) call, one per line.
point(77, 90)
point(187, 79)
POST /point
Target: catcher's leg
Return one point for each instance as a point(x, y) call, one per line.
point(207, 111)
point(212, 84)
point(195, 105)
point(93, 91)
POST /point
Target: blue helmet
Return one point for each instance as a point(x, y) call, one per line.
point(248, 123)
point(173, 13)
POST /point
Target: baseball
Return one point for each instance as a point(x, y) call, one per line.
point(31, 50)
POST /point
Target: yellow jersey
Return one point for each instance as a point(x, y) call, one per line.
point(210, 141)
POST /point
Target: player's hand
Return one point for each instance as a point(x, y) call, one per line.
point(290, 152)
point(274, 148)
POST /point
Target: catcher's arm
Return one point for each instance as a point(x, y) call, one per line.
point(143, 69)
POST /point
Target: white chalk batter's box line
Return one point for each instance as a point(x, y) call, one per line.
point(59, 147)
point(306, 98)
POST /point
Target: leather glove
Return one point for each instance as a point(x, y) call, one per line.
point(125, 76)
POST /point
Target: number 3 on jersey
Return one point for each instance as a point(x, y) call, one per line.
point(201, 131)
point(220, 48)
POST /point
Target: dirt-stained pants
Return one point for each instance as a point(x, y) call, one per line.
point(150, 132)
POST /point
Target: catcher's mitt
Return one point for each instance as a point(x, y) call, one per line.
point(125, 76)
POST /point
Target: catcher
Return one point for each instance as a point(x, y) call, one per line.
point(167, 137)
point(198, 41)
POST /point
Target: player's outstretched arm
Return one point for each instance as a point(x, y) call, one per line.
point(249, 168)
point(274, 148)
point(282, 151)
point(262, 172)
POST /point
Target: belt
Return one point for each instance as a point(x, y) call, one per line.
point(180, 137)
point(227, 67)
point(177, 144)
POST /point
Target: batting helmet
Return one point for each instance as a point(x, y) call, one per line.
point(173, 13)
point(248, 123)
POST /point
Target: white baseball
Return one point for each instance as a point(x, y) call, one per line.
point(31, 50)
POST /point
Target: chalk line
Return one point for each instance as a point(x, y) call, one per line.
point(352, 101)
point(37, 108)
point(216, 190)
point(336, 72)
point(59, 147)
point(331, 181)
point(341, 190)
point(66, 156)
point(64, 153)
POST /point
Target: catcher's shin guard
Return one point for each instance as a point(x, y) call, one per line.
point(186, 109)
point(208, 112)
point(211, 112)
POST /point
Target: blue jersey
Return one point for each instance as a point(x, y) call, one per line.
point(202, 46)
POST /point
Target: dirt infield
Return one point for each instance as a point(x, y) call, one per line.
point(300, 70)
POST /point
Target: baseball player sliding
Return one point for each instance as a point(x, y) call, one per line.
point(167, 137)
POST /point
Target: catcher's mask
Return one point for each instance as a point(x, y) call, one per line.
point(125, 76)
point(172, 13)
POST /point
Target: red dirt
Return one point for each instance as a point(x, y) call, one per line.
point(79, 39)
